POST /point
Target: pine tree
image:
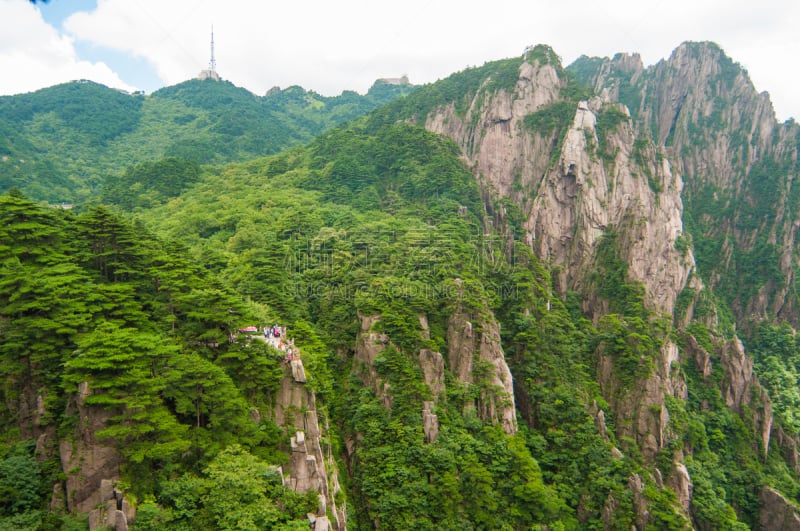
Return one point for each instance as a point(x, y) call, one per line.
point(124, 369)
point(112, 246)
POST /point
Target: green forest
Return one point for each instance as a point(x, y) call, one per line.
point(202, 209)
point(61, 144)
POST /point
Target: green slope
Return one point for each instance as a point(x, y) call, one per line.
point(59, 144)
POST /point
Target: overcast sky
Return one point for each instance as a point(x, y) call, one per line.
point(329, 46)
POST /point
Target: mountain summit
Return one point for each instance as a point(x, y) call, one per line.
point(524, 296)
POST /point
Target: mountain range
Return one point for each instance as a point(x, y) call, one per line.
point(526, 296)
point(61, 142)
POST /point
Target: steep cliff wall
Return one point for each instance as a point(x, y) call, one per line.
point(634, 194)
point(311, 465)
point(737, 162)
point(594, 180)
point(686, 139)
point(570, 193)
point(474, 357)
point(85, 460)
point(491, 134)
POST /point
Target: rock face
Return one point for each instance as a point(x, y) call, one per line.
point(489, 133)
point(580, 197)
point(741, 389)
point(629, 179)
point(681, 484)
point(643, 405)
point(723, 138)
point(475, 356)
point(789, 444)
point(583, 197)
point(576, 200)
point(92, 469)
point(430, 422)
point(368, 345)
point(116, 512)
point(311, 465)
point(86, 461)
point(431, 363)
point(777, 514)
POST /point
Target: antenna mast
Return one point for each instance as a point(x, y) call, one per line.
point(213, 64)
point(211, 71)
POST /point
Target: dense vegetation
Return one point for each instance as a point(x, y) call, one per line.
point(353, 235)
point(92, 298)
point(382, 224)
point(140, 300)
point(59, 144)
point(320, 245)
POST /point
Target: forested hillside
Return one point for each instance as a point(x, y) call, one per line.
point(95, 301)
point(522, 297)
point(61, 143)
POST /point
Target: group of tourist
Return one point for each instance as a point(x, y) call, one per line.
point(274, 331)
point(275, 336)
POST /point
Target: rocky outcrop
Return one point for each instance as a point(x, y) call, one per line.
point(430, 422)
point(696, 81)
point(681, 484)
point(777, 513)
point(741, 389)
point(475, 356)
point(789, 444)
point(311, 465)
point(696, 123)
point(116, 512)
point(640, 505)
point(570, 199)
point(643, 405)
point(583, 197)
point(723, 138)
point(92, 470)
point(298, 371)
point(736, 388)
point(491, 134)
point(431, 363)
point(369, 345)
point(85, 460)
point(702, 358)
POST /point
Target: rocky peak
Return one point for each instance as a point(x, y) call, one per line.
point(636, 195)
point(623, 69)
point(491, 133)
point(569, 205)
point(699, 85)
point(721, 136)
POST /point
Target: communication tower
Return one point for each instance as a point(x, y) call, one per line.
point(211, 71)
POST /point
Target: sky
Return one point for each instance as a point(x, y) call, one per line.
point(333, 45)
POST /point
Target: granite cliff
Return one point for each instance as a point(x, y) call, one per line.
point(665, 160)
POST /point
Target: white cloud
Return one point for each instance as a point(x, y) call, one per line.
point(34, 55)
point(332, 46)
